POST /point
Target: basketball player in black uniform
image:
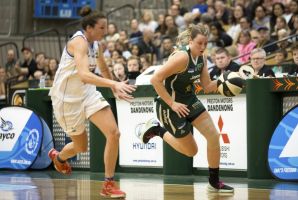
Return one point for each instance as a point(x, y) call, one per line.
point(178, 108)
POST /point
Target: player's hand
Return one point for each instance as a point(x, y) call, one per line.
point(122, 90)
point(180, 109)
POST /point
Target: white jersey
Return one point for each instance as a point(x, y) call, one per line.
point(67, 85)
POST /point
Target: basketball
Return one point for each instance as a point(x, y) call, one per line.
point(246, 72)
point(229, 84)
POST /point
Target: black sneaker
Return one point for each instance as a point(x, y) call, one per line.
point(220, 188)
point(146, 131)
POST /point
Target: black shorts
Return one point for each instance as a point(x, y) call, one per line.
point(179, 127)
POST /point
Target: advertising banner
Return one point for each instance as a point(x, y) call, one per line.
point(20, 137)
point(132, 151)
point(283, 148)
point(229, 117)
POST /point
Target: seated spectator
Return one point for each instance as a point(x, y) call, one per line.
point(182, 10)
point(135, 33)
point(258, 58)
point(134, 50)
point(223, 63)
point(40, 61)
point(167, 47)
point(188, 18)
point(171, 28)
point(218, 35)
point(280, 57)
point(29, 65)
point(147, 21)
point(146, 45)
point(280, 24)
point(260, 19)
point(53, 66)
point(10, 64)
point(282, 34)
point(178, 19)
point(133, 64)
point(265, 41)
point(145, 62)
point(235, 28)
point(120, 72)
point(111, 46)
point(245, 45)
point(222, 13)
point(294, 70)
point(113, 34)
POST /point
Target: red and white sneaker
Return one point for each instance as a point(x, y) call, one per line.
point(63, 168)
point(110, 190)
point(220, 187)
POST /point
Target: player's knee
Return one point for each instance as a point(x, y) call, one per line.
point(113, 135)
point(213, 141)
point(191, 152)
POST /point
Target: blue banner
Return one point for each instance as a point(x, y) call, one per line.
point(283, 147)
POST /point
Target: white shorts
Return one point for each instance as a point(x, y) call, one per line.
point(72, 115)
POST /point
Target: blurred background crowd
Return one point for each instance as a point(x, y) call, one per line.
point(260, 33)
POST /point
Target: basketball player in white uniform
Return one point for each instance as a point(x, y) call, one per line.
point(75, 99)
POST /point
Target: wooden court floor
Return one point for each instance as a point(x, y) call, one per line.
point(82, 185)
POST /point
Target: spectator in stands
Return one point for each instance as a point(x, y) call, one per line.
point(281, 35)
point(280, 24)
point(278, 9)
point(171, 28)
point(235, 28)
point(146, 45)
point(111, 46)
point(255, 36)
point(245, 23)
point(293, 8)
point(3, 78)
point(265, 41)
point(245, 45)
point(222, 13)
point(294, 70)
point(182, 10)
point(113, 34)
point(135, 33)
point(10, 63)
point(178, 19)
point(134, 64)
point(258, 58)
point(120, 72)
point(188, 19)
point(29, 65)
point(294, 30)
point(53, 66)
point(223, 62)
point(261, 19)
point(134, 50)
point(146, 62)
point(279, 58)
point(39, 58)
point(219, 36)
point(161, 28)
point(115, 55)
point(148, 21)
point(167, 48)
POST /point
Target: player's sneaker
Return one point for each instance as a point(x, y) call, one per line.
point(110, 190)
point(220, 188)
point(146, 131)
point(64, 167)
